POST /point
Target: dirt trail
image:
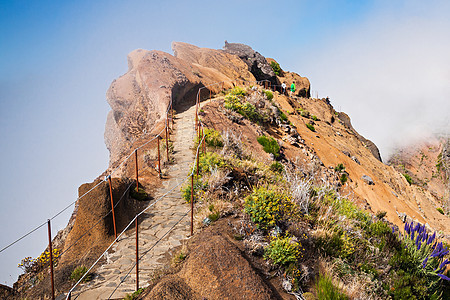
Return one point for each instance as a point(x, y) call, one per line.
point(155, 224)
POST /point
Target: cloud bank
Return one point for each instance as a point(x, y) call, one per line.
point(391, 73)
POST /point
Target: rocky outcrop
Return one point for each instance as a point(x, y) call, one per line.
point(94, 208)
point(302, 84)
point(370, 145)
point(215, 268)
point(220, 64)
point(257, 64)
point(140, 97)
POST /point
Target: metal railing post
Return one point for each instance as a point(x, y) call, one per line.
point(196, 111)
point(159, 158)
point(137, 254)
point(51, 257)
point(192, 204)
point(112, 205)
point(198, 151)
point(137, 170)
point(167, 141)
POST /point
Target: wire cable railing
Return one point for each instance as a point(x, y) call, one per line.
point(165, 131)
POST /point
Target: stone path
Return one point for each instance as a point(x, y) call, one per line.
point(157, 221)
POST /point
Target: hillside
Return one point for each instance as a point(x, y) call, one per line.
point(289, 196)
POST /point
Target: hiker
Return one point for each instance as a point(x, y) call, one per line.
point(292, 88)
point(283, 87)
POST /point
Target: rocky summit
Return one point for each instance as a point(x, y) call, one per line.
point(289, 200)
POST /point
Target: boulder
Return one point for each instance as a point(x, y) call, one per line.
point(368, 180)
point(257, 64)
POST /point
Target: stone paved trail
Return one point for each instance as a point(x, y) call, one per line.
point(157, 221)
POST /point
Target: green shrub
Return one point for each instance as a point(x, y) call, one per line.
point(210, 160)
point(339, 168)
point(186, 190)
point(214, 215)
point(303, 113)
point(134, 295)
point(379, 228)
point(246, 109)
point(326, 290)
point(266, 207)
point(440, 210)
point(78, 272)
point(408, 178)
point(277, 167)
point(270, 145)
point(315, 118)
point(213, 138)
point(238, 91)
point(276, 68)
point(283, 251)
point(269, 95)
point(343, 178)
point(310, 127)
point(283, 116)
point(140, 195)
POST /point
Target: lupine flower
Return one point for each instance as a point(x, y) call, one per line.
point(431, 238)
point(419, 245)
point(442, 265)
point(406, 227)
point(417, 227)
point(443, 277)
point(424, 263)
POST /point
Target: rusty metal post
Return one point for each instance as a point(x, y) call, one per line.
point(192, 204)
point(171, 110)
point(137, 169)
point(159, 158)
point(167, 141)
point(112, 205)
point(198, 152)
point(196, 111)
point(51, 257)
point(137, 254)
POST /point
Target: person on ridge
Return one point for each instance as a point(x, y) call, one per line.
point(292, 88)
point(283, 86)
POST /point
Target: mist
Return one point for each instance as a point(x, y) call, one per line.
point(391, 73)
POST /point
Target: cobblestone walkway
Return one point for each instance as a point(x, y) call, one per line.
point(157, 221)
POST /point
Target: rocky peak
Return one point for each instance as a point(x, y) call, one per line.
point(257, 64)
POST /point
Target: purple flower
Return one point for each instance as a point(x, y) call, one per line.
point(431, 238)
point(443, 277)
point(406, 227)
point(417, 227)
point(442, 265)
point(393, 229)
point(419, 245)
point(425, 237)
point(424, 263)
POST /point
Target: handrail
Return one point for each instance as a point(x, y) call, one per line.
point(198, 124)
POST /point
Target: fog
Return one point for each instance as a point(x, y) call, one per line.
point(385, 64)
point(391, 73)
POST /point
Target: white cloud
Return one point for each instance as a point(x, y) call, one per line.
point(391, 74)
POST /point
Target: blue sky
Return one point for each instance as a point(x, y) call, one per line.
point(379, 61)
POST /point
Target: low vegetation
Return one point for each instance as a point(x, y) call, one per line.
point(78, 273)
point(270, 145)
